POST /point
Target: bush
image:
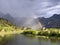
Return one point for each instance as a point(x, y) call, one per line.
point(39, 33)
point(27, 32)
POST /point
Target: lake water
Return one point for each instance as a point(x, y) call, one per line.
point(24, 40)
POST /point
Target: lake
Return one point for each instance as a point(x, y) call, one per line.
point(25, 40)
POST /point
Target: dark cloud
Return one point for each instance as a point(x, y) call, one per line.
point(30, 8)
point(48, 7)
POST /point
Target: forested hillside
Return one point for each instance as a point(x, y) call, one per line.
point(6, 25)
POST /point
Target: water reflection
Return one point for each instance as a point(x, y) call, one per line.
point(49, 41)
point(4, 39)
point(28, 40)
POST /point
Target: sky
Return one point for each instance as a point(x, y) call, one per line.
point(30, 8)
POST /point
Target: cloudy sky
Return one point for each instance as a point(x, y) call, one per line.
point(30, 8)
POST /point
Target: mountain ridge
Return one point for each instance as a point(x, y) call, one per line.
point(51, 22)
point(34, 23)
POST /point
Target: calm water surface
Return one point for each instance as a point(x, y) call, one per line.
point(24, 40)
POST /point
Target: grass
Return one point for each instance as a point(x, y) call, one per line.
point(52, 32)
point(10, 32)
point(7, 27)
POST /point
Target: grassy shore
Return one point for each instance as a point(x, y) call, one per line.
point(48, 32)
point(2, 33)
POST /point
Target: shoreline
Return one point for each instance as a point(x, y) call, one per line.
point(37, 33)
point(2, 33)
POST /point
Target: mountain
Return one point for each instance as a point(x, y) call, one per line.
point(1, 14)
point(28, 22)
point(22, 21)
point(51, 22)
point(34, 23)
point(8, 17)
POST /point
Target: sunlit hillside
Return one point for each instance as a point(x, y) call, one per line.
point(5, 25)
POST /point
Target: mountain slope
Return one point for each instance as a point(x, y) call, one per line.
point(52, 22)
point(28, 22)
point(6, 25)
